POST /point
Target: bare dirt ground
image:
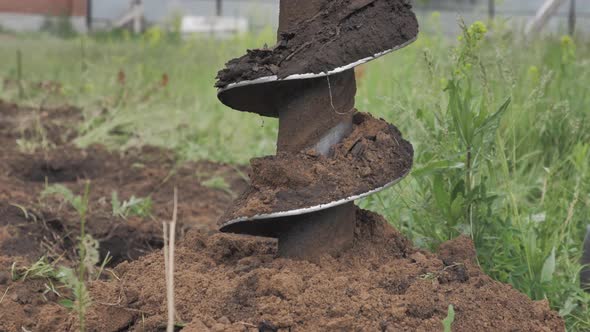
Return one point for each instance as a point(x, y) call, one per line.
point(223, 282)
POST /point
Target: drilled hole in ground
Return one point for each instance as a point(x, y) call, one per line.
point(120, 241)
point(125, 248)
point(59, 167)
point(60, 172)
point(20, 234)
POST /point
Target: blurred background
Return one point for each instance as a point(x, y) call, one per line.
point(214, 16)
point(142, 72)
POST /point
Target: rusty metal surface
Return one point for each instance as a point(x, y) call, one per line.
point(313, 112)
point(327, 232)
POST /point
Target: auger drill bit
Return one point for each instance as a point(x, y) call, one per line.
point(315, 115)
point(307, 80)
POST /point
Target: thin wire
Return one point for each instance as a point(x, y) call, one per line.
point(332, 100)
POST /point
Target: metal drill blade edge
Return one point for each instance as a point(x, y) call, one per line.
point(274, 78)
point(315, 208)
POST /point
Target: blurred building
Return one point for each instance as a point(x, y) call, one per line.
point(258, 13)
point(32, 15)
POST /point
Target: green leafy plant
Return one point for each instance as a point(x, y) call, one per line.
point(449, 320)
point(453, 174)
point(501, 155)
point(88, 255)
point(134, 206)
point(219, 183)
point(79, 203)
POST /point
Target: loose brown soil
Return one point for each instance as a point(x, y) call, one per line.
point(231, 283)
point(31, 226)
point(223, 282)
point(340, 33)
point(373, 155)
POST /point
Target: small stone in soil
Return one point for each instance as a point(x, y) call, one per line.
point(4, 277)
point(265, 326)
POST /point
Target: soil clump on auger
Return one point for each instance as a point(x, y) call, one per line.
point(318, 36)
point(372, 155)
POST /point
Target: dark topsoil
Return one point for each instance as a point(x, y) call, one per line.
point(373, 155)
point(223, 282)
point(343, 32)
point(146, 172)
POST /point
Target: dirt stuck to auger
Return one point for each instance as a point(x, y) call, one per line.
point(317, 36)
point(372, 155)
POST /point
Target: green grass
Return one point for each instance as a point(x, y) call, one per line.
point(499, 127)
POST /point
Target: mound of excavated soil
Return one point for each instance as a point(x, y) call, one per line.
point(230, 283)
point(342, 32)
point(373, 155)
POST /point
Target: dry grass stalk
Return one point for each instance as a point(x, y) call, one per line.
point(169, 245)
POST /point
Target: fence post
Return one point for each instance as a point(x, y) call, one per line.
point(19, 73)
point(547, 10)
point(572, 18)
point(491, 9)
point(218, 7)
point(88, 15)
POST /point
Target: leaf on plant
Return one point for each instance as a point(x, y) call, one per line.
point(548, 267)
point(67, 303)
point(67, 276)
point(440, 194)
point(92, 256)
point(448, 321)
point(133, 207)
point(58, 189)
point(77, 202)
point(490, 124)
point(116, 204)
point(569, 306)
point(439, 165)
point(457, 207)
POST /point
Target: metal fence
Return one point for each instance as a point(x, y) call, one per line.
point(262, 13)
